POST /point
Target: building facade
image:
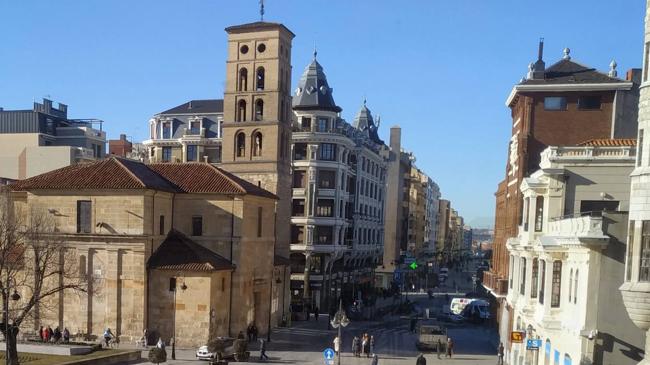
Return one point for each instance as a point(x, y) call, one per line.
point(189, 132)
point(338, 197)
point(565, 104)
point(43, 138)
point(566, 260)
point(636, 288)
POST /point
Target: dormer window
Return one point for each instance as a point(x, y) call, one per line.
point(555, 103)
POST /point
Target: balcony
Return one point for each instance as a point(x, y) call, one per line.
point(493, 283)
point(587, 225)
point(194, 133)
point(586, 153)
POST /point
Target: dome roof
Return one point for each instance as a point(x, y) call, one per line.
point(313, 92)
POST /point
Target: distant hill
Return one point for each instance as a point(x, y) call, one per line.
point(481, 222)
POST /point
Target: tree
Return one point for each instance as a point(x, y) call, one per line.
point(35, 265)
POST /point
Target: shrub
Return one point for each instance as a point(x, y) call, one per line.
point(157, 355)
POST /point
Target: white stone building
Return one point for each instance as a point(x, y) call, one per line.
point(338, 196)
point(566, 261)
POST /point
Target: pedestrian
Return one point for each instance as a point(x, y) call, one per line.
point(355, 346)
point(450, 348)
point(365, 345)
point(46, 335)
point(372, 345)
point(421, 360)
point(439, 348)
point(375, 360)
point(57, 335)
point(160, 344)
point(41, 333)
point(255, 332)
point(66, 335)
point(500, 351)
point(263, 355)
point(249, 332)
point(50, 333)
point(316, 313)
point(337, 345)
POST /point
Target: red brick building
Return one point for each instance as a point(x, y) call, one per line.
point(564, 104)
point(120, 147)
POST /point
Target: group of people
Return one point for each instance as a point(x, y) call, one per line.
point(55, 336)
point(251, 332)
point(364, 345)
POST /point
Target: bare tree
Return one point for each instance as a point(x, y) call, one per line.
point(35, 266)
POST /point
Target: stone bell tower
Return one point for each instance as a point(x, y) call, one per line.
point(257, 114)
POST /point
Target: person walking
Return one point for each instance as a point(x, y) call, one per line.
point(439, 348)
point(500, 352)
point(50, 333)
point(66, 335)
point(372, 345)
point(375, 360)
point(355, 346)
point(337, 345)
point(365, 345)
point(450, 348)
point(421, 360)
point(263, 355)
point(316, 313)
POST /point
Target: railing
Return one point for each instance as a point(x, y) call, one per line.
point(194, 132)
point(81, 153)
point(587, 224)
point(551, 154)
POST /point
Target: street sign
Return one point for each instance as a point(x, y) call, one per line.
point(534, 344)
point(413, 265)
point(328, 354)
point(517, 336)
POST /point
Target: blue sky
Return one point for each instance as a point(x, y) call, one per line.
point(440, 69)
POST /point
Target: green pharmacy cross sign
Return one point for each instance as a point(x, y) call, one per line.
point(413, 265)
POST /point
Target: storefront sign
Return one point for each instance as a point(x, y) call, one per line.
point(517, 336)
point(533, 344)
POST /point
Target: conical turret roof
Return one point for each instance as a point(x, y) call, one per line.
point(365, 123)
point(313, 92)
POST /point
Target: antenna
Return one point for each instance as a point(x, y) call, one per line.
point(262, 10)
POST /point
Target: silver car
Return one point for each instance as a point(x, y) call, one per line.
point(203, 353)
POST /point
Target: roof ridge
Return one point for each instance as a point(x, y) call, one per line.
point(587, 67)
point(119, 162)
point(226, 175)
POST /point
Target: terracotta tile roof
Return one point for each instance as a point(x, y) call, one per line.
point(120, 173)
point(179, 252)
point(199, 177)
point(606, 142)
point(112, 173)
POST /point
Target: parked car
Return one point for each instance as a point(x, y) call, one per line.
point(229, 350)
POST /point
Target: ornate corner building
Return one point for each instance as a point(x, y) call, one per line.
point(339, 174)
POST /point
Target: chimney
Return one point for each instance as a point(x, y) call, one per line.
point(190, 106)
point(122, 137)
point(539, 66)
point(634, 75)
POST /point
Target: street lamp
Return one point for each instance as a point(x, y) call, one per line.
point(340, 320)
point(183, 288)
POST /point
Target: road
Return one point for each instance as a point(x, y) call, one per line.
point(304, 342)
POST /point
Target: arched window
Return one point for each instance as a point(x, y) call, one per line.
point(259, 109)
point(82, 266)
point(241, 111)
point(257, 144)
point(259, 78)
point(556, 284)
point(539, 213)
point(240, 144)
point(570, 285)
point(243, 79)
point(575, 288)
point(567, 359)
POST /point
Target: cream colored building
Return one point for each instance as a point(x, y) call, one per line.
point(135, 226)
point(43, 138)
point(567, 260)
